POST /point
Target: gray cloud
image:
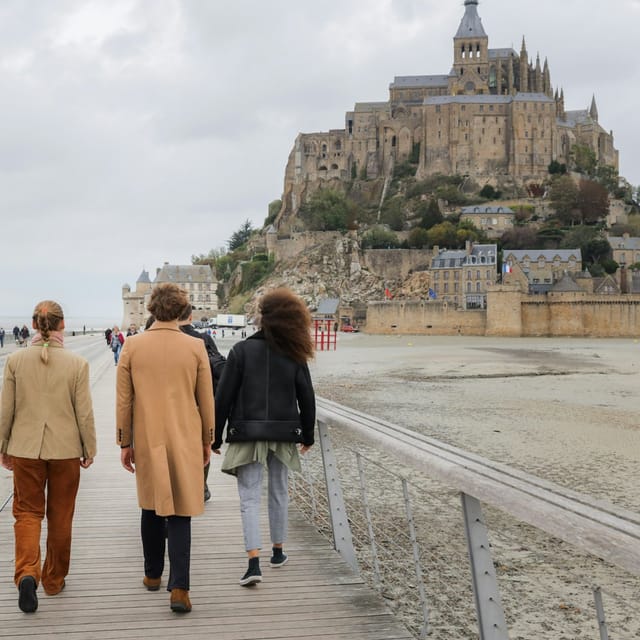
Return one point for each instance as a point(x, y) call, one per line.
point(136, 132)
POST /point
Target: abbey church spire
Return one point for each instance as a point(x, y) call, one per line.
point(471, 25)
point(471, 53)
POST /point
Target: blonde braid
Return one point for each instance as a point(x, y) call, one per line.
point(47, 316)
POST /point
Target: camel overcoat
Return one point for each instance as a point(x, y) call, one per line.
point(164, 409)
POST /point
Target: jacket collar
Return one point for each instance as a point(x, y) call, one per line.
point(159, 324)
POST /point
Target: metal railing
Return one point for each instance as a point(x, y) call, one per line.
point(463, 547)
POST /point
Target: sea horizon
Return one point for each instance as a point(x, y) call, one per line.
point(72, 323)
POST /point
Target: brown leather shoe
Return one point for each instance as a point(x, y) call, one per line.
point(152, 584)
point(180, 602)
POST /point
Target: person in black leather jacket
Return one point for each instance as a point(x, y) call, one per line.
point(216, 362)
point(266, 401)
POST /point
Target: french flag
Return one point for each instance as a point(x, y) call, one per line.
point(506, 267)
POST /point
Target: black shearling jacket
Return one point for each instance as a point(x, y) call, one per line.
point(261, 386)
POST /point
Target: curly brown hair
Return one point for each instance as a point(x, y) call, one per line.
point(167, 302)
point(47, 317)
point(286, 323)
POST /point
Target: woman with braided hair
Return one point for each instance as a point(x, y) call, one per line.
point(47, 433)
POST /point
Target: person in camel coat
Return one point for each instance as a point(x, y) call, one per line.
point(165, 426)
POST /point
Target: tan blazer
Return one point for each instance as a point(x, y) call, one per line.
point(46, 410)
point(164, 407)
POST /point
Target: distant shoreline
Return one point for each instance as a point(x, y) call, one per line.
point(72, 323)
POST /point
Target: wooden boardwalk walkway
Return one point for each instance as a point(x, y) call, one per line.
point(315, 596)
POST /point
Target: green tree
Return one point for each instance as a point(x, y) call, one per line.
point(593, 201)
point(584, 159)
point(418, 238)
point(210, 258)
point(607, 176)
point(451, 194)
point(241, 236)
point(609, 265)
point(379, 238)
point(392, 213)
point(443, 234)
point(596, 251)
point(327, 210)
point(490, 193)
point(555, 167)
point(429, 213)
point(564, 199)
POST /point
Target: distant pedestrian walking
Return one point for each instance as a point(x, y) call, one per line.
point(24, 335)
point(107, 336)
point(117, 340)
point(47, 434)
point(16, 334)
point(266, 397)
point(1, 338)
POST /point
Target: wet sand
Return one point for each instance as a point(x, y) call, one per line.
point(563, 409)
point(566, 410)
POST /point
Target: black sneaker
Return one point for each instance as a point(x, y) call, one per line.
point(207, 493)
point(27, 598)
point(253, 574)
point(278, 558)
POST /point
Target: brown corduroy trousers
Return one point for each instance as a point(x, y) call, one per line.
point(39, 486)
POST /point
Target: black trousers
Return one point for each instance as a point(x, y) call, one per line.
point(154, 529)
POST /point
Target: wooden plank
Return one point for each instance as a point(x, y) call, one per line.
point(315, 596)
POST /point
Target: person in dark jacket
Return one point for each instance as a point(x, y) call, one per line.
point(266, 400)
point(216, 362)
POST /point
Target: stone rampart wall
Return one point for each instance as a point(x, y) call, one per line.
point(594, 316)
point(423, 318)
point(512, 314)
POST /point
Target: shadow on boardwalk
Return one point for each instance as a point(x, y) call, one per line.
point(315, 596)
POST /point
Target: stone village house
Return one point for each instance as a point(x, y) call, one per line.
point(198, 280)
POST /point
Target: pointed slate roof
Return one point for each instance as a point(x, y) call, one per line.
point(144, 277)
point(471, 25)
point(566, 284)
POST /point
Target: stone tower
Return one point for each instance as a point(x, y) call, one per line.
point(470, 54)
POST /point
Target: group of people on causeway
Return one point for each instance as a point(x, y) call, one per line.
point(169, 421)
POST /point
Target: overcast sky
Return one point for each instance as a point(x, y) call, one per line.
point(135, 132)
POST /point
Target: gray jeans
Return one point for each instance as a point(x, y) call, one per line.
point(250, 490)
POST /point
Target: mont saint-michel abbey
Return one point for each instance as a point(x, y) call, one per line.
point(495, 117)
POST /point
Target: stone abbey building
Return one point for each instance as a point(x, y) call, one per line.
point(495, 117)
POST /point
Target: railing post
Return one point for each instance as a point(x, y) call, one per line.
point(491, 620)
point(416, 560)
point(602, 622)
point(342, 539)
point(367, 512)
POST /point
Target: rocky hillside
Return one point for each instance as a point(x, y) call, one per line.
point(330, 269)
